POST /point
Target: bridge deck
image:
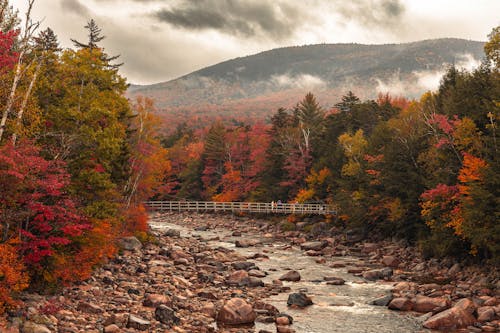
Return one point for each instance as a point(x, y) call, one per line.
point(249, 207)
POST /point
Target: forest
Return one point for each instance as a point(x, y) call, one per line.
point(77, 159)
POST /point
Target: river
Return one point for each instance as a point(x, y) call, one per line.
point(343, 308)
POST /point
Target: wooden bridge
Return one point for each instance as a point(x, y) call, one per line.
point(247, 207)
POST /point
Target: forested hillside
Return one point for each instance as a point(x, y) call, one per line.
point(249, 87)
point(425, 170)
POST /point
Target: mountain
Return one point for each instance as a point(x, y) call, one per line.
point(255, 86)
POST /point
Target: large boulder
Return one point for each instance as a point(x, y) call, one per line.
point(450, 319)
point(401, 304)
point(236, 311)
point(426, 304)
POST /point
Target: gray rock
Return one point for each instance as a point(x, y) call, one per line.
point(376, 274)
point(314, 245)
point(138, 323)
point(299, 299)
point(290, 276)
point(166, 315)
point(130, 243)
point(382, 301)
point(246, 242)
point(172, 233)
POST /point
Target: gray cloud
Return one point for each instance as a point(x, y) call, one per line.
point(378, 13)
point(74, 6)
point(252, 18)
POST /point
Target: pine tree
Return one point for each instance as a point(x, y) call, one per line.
point(95, 36)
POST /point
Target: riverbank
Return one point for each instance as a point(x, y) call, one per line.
point(182, 282)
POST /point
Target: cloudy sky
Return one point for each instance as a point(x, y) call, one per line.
point(162, 39)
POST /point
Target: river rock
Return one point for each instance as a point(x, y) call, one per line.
point(154, 300)
point(172, 233)
point(236, 311)
point(390, 261)
point(209, 309)
point(243, 265)
point(426, 304)
point(166, 315)
point(30, 327)
point(130, 243)
point(284, 319)
point(333, 280)
point(401, 304)
point(485, 313)
point(370, 247)
point(293, 276)
point(89, 308)
point(112, 329)
point(314, 245)
point(237, 278)
point(266, 308)
point(454, 269)
point(300, 300)
point(138, 323)
point(246, 242)
point(284, 329)
point(376, 274)
point(450, 319)
point(382, 301)
point(257, 273)
point(466, 304)
point(252, 281)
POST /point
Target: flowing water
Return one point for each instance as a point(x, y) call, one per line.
point(341, 308)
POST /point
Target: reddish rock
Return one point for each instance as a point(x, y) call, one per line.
point(401, 304)
point(89, 308)
point(450, 319)
point(485, 313)
point(290, 276)
point(390, 261)
point(209, 309)
point(153, 300)
point(237, 277)
point(370, 247)
point(466, 305)
point(426, 304)
point(284, 329)
point(236, 311)
point(284, 321)
point(491, 301)
point(112, 329)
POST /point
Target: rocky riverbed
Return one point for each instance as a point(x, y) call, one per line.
point(209, 273)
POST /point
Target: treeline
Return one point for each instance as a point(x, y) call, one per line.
point(76, 159)
point(424, 170)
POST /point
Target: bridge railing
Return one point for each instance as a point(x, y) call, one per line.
point(250, 207)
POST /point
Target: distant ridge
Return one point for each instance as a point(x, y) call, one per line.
point(255, 86)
